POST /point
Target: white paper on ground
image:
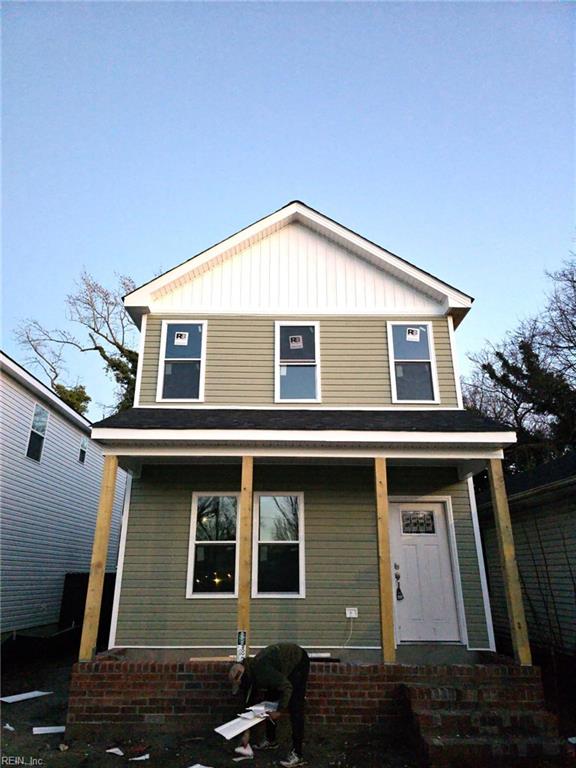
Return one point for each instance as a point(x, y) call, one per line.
point(142, 757)
point(115, 751)
point(239, 759)
point(24, 696)
point(8, 727)
point(48, 729)
point(198, 765)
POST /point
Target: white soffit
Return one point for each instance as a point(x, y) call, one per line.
point(296, 260)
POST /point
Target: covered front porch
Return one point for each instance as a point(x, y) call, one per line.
point(367, 519)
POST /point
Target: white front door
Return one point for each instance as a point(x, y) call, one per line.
point(423, 583)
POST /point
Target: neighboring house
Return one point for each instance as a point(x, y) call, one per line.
point(303, 462)
point(51, 475)
point(543, 512)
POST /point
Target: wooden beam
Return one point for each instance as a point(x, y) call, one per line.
point(245, 544)
point(512, 588)
point(98, 564)
point(384, 564)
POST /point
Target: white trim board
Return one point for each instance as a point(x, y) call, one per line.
point(481, 566)
point(303, 436)
point(120, 564)
point(455, 365)
point(141, 347)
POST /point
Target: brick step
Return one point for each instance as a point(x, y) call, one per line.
point(489, 695)
point(490, 752)
point(450, 722)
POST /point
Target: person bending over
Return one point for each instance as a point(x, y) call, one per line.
point(281, 672)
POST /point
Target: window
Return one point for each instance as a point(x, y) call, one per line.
point(37, 433)
point(182, 361)
point(413, 371)
point(278, 554)
point(297, 369)
point(212, 555)
point(83, 450)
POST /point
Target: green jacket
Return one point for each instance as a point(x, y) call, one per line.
point(270, 669)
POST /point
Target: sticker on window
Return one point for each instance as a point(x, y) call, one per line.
point(296, 342)
point(412, 334)
point(283, 370)
point(181, 339)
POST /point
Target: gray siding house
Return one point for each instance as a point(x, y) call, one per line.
point(302, 459)
point(51, 476)
point(543, 512)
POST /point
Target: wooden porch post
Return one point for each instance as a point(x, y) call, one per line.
point(384, 565)
point(98, 564)
point(245, 554)
point(508, 563)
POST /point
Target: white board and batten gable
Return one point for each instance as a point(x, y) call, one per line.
point(297, 261)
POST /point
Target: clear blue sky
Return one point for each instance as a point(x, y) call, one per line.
point(136, 134)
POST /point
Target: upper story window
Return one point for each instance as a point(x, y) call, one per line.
point(412, 365)
point(213, 548)
point(37, 433)
point(297, 374)
point(182, 361)
point(278, 554)
point(83, 450)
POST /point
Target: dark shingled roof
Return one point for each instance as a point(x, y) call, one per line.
point(555, 471)
point(313, 419)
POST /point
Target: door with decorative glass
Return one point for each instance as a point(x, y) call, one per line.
point(423, 580)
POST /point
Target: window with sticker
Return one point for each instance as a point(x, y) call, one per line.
point(181, 370)
point(412, 364)
point(297, 374)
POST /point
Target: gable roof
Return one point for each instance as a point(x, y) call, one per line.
point(456, 302)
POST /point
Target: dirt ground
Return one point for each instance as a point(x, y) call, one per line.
point(325, 748)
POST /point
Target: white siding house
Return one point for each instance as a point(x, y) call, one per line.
point(50, 485)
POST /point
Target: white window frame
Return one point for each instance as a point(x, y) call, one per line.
point(31, 429)
point(301, 594)
point(279, 324)
point(162, 362)
point(84, 443)
point(190, 594)
point(431, 359)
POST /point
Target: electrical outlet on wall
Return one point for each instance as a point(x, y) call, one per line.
point(351, 613)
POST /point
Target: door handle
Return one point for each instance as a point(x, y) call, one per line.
point(399, 594)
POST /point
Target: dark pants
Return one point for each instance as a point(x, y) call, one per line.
point(299, 678)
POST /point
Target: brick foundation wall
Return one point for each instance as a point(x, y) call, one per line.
point(188, 696)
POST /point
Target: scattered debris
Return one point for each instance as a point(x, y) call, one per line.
point(48, 729)
point(239, 759)
point(8, 727)
point(63, 747)
point(23, 696)
point(116, 751)
point(142, 757)
point(255, 714)
point(198, 765)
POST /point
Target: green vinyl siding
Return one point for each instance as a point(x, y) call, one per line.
point(354, 365)
point(341, 565)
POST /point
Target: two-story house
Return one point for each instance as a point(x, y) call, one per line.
point(302, 462)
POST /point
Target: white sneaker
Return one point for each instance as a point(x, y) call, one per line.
point(293, 760)
point(244, 751)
